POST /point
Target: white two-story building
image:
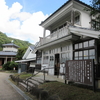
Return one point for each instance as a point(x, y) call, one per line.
point(74, 35)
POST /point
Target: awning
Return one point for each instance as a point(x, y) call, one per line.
point(25, 60)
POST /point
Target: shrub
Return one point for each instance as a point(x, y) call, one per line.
point(44, 95)
point(6, 66)
point(10, 65)
point(13, 64)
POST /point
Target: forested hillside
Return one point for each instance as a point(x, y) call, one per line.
point(5, 39)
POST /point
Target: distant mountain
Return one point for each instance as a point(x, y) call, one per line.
point(5, 39)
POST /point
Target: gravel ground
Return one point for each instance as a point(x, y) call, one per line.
point(7, 92)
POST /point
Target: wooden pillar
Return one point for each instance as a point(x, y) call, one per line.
point(96, 52)
point(11, 59)
point(72, 17)
point(5, 60)
point(44, 33)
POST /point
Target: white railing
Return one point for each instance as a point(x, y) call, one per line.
point(55, 35)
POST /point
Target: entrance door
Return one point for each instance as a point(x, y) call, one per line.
point(57, 64)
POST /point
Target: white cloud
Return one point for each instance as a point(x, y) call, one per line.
point(21, 25)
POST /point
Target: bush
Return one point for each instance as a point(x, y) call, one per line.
point(44, 95)
point(6, 66)
point(13, 64)
point(10, 66)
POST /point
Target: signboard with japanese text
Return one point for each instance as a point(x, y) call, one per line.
point(80, 71)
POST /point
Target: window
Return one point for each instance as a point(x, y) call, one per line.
point(64, 57)
point(80, 54)
point(51, 60)
point(38, 60)
point(77, 20)
point(45, 59)
point(64, 48)
point(91, 43)
point(85, 54)
point(92, 54)
point(95, 25)
point(85, 44)
point(84, 50)
point(45, 52)
point(76, 46)
point(76, 55)
point(80, 45)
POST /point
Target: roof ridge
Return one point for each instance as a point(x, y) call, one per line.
point(63, 6)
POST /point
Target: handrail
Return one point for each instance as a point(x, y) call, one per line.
point(22, 73)
point(39, 72)
point(36, 74)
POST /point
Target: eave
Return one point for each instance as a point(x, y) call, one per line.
point(85, 32)
point(61, 12)
point(70, 37)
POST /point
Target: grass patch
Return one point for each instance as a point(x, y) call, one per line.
point(69, 92)
point(0, 68)
point(24, 75)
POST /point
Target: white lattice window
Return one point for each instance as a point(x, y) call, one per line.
point(51, 63)
point(64, 57)
point(45, 59)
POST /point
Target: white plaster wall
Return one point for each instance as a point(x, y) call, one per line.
point(10, 49)
point(85, 18)
point(31, 55)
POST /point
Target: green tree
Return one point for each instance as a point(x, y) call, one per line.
point(13, 65)
point(95, 11)
point(10, 65)
point(20, 53)
point(6, 66)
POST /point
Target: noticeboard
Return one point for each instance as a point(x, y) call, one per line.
point(80, 71)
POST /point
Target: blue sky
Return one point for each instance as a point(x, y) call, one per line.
point(46, 6)
point(21, 18)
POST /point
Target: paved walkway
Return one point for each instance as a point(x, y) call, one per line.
point(8, 91)
point(51, 77)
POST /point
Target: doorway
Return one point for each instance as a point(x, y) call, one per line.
point(57, 65)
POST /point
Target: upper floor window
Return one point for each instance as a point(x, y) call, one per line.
point(77, 20)
point(45, 52)
point(77, 17)
point(95, 25)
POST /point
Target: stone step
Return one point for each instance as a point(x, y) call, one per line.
point(39, 80)
point(24, 86)
point(34, 82)
point(29, 83)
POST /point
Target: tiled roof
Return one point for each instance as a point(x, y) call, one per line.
point(6, 53)
point(32, 47)
point(63, 6)
point(11, 44)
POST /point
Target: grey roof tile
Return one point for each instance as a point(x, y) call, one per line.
point(32, 47)
point(7, 53)
point(11, 44)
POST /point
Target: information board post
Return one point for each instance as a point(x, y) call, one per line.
point(93, 71)
point(81, 72)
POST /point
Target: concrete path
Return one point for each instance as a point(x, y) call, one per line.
point(8, 92)
point(50, 77)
